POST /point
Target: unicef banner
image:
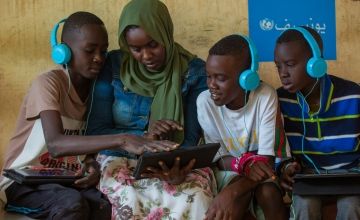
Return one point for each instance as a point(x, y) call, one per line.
point(267, 19)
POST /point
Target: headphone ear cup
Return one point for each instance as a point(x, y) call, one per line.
point(249, 80)
point(61, 54)
point(316, 67)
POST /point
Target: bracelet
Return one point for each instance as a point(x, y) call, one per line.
point(286, 166)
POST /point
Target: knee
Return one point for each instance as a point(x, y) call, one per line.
point(71, 205)
point(268, 193)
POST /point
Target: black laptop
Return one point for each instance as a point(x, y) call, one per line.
point(327, 184)
point(33, 176)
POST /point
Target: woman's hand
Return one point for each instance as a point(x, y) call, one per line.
point(91, 172)
point(137, 144)
point(287, 175)
point(163, 129)
point(174, 176)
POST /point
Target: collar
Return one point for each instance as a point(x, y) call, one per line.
point(326, 93)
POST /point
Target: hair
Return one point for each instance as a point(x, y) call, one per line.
point(76, 20)
point(292, 35)
point(232, 45)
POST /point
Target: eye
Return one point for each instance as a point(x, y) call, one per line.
point(221, 78)
point(89, 50)
point(135, 49)
point(153, 44)
point(290, 64)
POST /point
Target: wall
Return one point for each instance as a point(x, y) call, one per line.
point(25, 49)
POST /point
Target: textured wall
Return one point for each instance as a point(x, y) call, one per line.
point(25, 27)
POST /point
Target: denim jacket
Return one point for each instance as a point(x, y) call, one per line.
point(115, 109)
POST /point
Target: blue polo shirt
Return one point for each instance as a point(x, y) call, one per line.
point(330, 136)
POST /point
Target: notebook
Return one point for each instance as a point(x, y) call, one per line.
point(327, 184)
point(38, 175)
point(204, 155)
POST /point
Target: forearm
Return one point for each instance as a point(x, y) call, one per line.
point(64, 145)
point(224, 163)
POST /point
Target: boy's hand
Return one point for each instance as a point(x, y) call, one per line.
point(138, 145)
point(225, 205)
point(163, 129)
point(260, 171)
point(91, 173)
point(287, 180)
point(174, 176)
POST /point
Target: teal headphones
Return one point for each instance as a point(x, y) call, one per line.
point(316, 66)
point(60, 53)
point(249, 78)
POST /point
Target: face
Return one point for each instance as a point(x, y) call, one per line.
point(291, 60)
point(223, 80)
point(88, 46)
point(145, 50)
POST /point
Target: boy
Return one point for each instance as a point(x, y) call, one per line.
point(315, 105)
point(50, 123)
point(244, 123)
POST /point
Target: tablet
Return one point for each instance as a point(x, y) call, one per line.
point(41, 175)
point(327, 184)
point(204, 155)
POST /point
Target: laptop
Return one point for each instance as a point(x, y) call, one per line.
point(327, 184)
point(31, 176)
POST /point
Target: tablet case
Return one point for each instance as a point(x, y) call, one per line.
point(327, 184)
point(41, 176)
point(204, 155)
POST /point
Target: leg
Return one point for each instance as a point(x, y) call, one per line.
point(268, 197)
point(47, 201)
point(100, 207)
point(306, 208)
point(348, 207)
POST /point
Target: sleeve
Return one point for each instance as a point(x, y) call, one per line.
point(211, 134)
point(44, 94)
point(192, 127)
point(100, 114)
point(267, 127)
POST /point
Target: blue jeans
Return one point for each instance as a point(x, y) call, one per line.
point(309, 207)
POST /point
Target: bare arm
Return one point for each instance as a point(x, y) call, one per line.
point(64, 145)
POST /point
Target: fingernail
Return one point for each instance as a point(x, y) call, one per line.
point(166, 173)
point(178, 158)
point(160, 162)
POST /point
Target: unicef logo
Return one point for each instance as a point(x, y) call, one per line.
point(266, 24)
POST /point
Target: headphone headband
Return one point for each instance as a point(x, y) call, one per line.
point(253, 54)
point(53, 41)
point(311, 41)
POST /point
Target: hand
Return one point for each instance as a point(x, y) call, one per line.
point(91, 171)
point(138, 145)
point(225, 205)
point(173, 176)
point(286, 179)
point(260, 171)
point(163, 129)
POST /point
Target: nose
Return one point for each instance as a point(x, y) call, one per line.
point(211, 82)
point(99, 57)
point(146, 54)
point(283, 71)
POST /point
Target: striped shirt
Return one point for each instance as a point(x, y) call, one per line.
point(329, 137)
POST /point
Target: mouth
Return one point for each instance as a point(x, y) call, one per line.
point(151, 66)
point(214, 96)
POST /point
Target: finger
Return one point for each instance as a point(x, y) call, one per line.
point(176, 165)
point(187, 169)
point(156, 146)
point(265, 167)
point(219, 215)
point(165, 169)
point(174, 125)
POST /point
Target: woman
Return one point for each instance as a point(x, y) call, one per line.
point(149, 87)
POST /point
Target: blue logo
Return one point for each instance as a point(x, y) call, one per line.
point(268, 19)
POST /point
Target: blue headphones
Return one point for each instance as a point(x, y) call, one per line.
point(249, 78)
point(60, 53)
point(316, 66)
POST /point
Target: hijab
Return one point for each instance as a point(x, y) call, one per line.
point(164, 86)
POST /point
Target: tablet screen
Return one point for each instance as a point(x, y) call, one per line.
point(204, 155)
